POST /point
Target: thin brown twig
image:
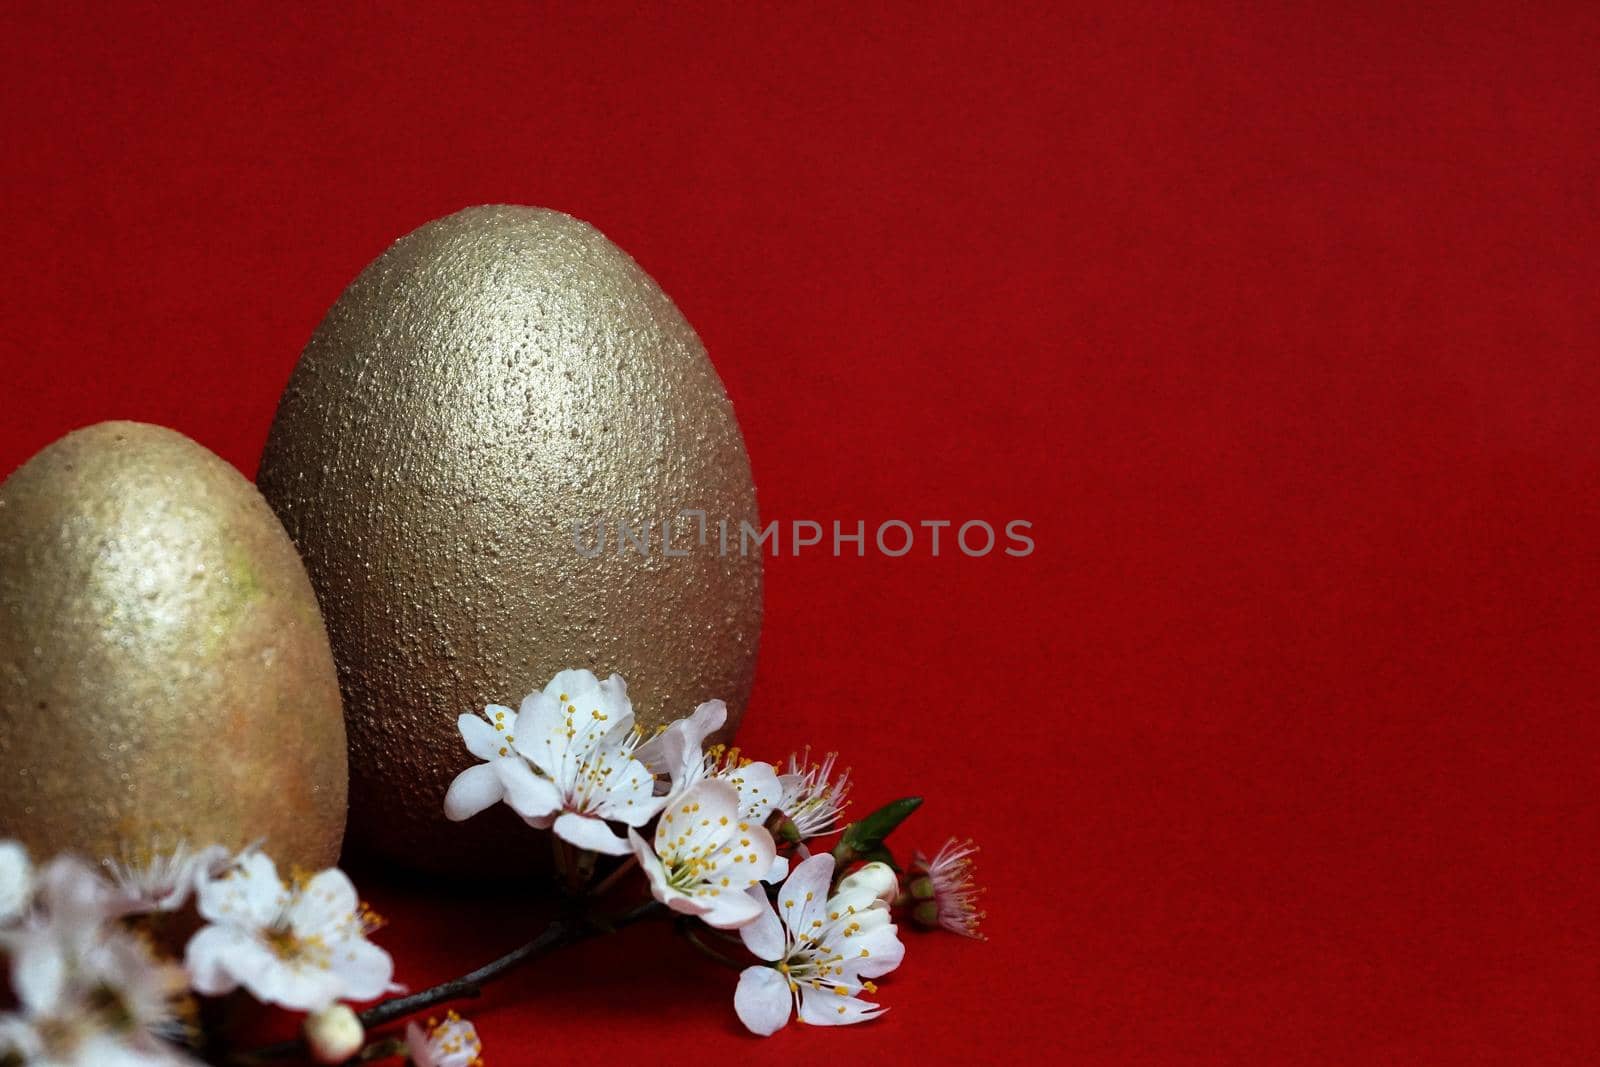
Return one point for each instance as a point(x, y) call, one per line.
point(559, 933)
point(687, 932)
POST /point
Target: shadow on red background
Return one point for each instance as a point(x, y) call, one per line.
point(1279, 324)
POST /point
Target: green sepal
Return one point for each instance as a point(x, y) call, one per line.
point(863, 839)
point(881, 854)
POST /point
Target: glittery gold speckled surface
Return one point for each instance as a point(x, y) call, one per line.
point(490, 379)
point(164, 673)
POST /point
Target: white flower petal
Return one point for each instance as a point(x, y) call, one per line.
point(824, 1007)
point(417, 1046)
point(762, 1000)
point(39, 972)
point(764, 934)
point(804, 896)
point(655, 872)
point(482, 739)
point(19, 1039)
point(541, 734)
point(364, 970)
point(680, 747)
point(16, 880)
point(698, 821)
point(872, 954)
point(684, 904)
point(706, 720)
point(709, 801)
point(473, 790)
point(249, 894)
point(208, 957)
point(615, 693)
point(528, 795)
point(759, 791)
point(867, 908)
point(730, 910)
point(761, 854)
point(589, 711)
point(296, 987)
point(581, 688)
point(631, 798)
point(324, 905)
point(590, 833)
point(109, 1050)
point(73, 892)
point(778, 871)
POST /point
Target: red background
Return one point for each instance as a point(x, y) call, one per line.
point(1279, 323)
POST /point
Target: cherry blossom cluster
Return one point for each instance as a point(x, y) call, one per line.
point(96, 981)
point(723, 840)
point(128, 964)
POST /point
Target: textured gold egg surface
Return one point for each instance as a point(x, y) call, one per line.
point(492, 378)
point(164, 673)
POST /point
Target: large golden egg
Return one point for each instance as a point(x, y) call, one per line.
point(164, 673)
point(491, 380)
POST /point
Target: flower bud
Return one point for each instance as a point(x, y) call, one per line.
point(876, 878)
point(334, 1034)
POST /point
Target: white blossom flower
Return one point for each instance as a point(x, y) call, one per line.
point(812, 798)
point(489, 737)
point(72, 896)
point(946, 891)
point(706, 855)
point(302, 945)
point(876, 878)
point(678, 754)
point(452, 1043)
point(563, 761)
point(88, 993)
point(16, 881)
point(162, 880)
point(822, 954)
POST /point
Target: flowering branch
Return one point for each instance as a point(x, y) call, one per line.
point(685, 929)
point(731, 847)
point(558, 934)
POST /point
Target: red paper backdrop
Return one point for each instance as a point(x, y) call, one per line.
point(1278, 323)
